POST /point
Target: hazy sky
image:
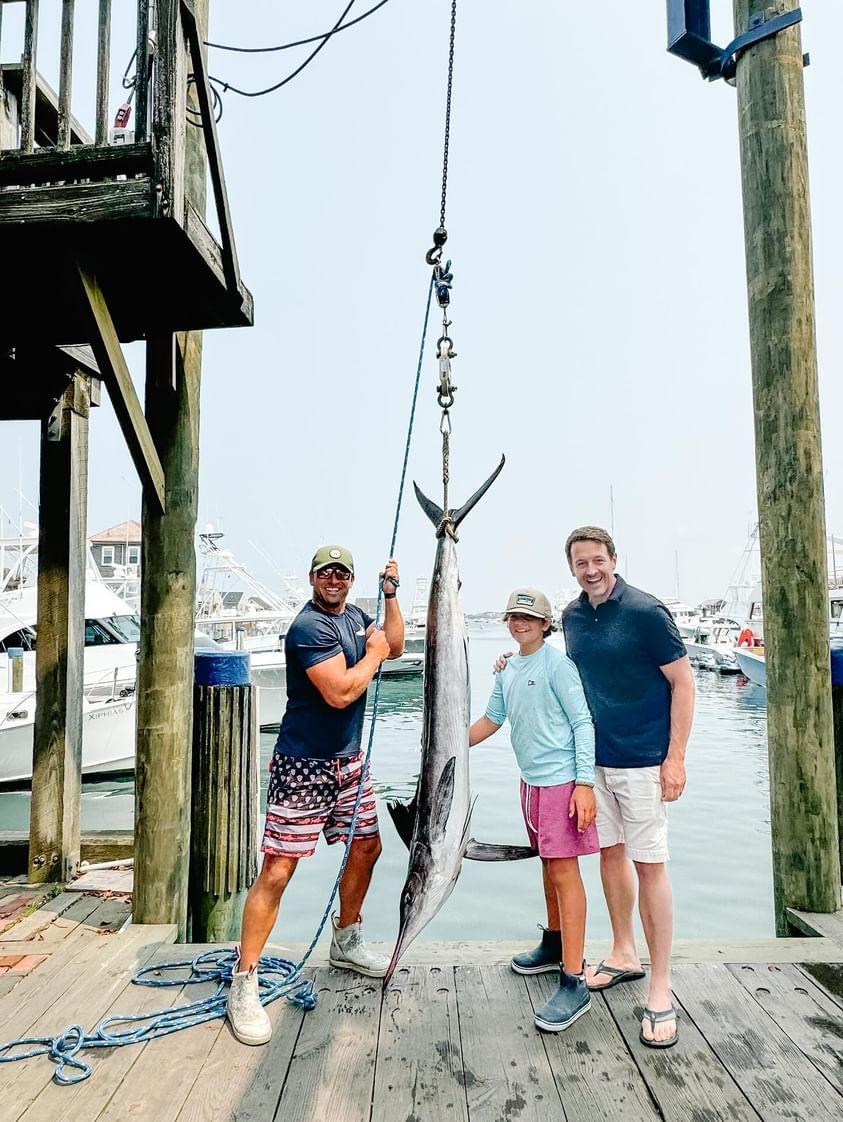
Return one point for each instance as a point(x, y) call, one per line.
point(599, 305)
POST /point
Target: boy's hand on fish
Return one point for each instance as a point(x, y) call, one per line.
point(584, 806)
point(378, 645)
point(501, 662)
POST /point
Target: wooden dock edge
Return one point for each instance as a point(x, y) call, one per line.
point(97, 845)
point(498, 953)
point(825, 925)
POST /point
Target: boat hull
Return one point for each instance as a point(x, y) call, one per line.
point(752, 665)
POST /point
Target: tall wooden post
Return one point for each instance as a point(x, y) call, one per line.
point(777, 225)
point(168, 580)
point(54, 840)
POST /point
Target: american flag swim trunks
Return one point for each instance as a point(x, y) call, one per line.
point(309, 797)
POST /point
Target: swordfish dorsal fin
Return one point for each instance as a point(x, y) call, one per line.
point(436, 514)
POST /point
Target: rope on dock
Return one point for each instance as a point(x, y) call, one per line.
point(277, 977)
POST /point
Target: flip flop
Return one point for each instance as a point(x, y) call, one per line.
point(617, 976)
point(654, 1018)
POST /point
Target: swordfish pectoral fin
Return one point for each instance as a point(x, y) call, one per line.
point(403, 816)
point(436, 514)
point(444, 799)
point(481, 851)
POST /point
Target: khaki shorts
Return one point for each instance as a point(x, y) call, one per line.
point(630, 811)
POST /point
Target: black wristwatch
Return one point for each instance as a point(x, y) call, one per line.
point(389, 595)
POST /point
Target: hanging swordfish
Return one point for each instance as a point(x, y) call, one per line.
point(435, 824)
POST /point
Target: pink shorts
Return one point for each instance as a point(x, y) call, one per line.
point(549, 828)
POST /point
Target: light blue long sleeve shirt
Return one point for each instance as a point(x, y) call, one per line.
point(551, 728)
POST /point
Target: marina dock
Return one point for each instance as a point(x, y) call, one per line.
point(761, 1026)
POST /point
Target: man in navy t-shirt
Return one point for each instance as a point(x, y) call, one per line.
point(333, 650)
point(640, 690)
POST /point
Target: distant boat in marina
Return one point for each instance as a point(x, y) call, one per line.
point(751, 659)
point(112, 632)
point(252, 618)
point(752, 665)
point(712, 644)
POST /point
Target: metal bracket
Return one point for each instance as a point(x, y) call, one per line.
point(689, 30)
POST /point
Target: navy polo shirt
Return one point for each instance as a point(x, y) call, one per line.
point(618, 648)
point(310, 727)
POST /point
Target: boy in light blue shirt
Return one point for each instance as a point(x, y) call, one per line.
point(552, 733)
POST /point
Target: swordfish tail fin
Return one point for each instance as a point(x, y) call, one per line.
point(436, 514)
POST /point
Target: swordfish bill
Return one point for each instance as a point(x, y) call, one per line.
point(435, 824)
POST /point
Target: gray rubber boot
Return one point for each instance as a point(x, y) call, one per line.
point(544, 958)
point(570, 1001)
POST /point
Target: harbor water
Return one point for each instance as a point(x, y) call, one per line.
point(719, 830)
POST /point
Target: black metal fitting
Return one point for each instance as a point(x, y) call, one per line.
point(689, 30)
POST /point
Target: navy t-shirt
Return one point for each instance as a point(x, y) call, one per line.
point(618, 648)
point(310, 727)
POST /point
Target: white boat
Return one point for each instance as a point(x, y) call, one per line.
point(751, 659)
point(108, 700)
point(687, 618)
point(712, 645)
point(752, 665)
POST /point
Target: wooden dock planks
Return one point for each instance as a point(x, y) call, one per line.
point(683, 1077)
point(758, 1041)
point(595, 1074)
point(506, 1072)
point(332, 1068)
point(779, 1080)
point(419, 1071)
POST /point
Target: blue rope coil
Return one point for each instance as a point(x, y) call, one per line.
point(277, 977)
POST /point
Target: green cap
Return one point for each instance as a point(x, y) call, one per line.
point(327, 555)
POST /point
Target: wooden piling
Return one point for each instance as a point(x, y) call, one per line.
point(54, 841)
point(224, 794)
point(777, 226)
point(168, 568)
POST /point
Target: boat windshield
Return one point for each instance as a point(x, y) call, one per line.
point(126, 627)
point(112, 629)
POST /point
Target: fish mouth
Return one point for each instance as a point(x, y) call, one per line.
point(401, 945)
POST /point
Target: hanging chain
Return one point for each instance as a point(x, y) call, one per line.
point(442, 281)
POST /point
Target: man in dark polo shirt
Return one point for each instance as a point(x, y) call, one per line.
point(333, 650)
point(640, 689)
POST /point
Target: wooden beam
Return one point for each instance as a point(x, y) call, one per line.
point(54, 841)
point(112, 364)
point(103, 71)
point(168, 111)
point(780, 283)
point(65, 74)
point(82, 161)
point(168, 582)
point(30, 48)
point(209, 125)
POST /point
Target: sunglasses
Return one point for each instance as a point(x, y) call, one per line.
point(329, 572)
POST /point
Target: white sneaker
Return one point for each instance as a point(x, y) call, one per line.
point(349, 951)
point(247, 1016)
